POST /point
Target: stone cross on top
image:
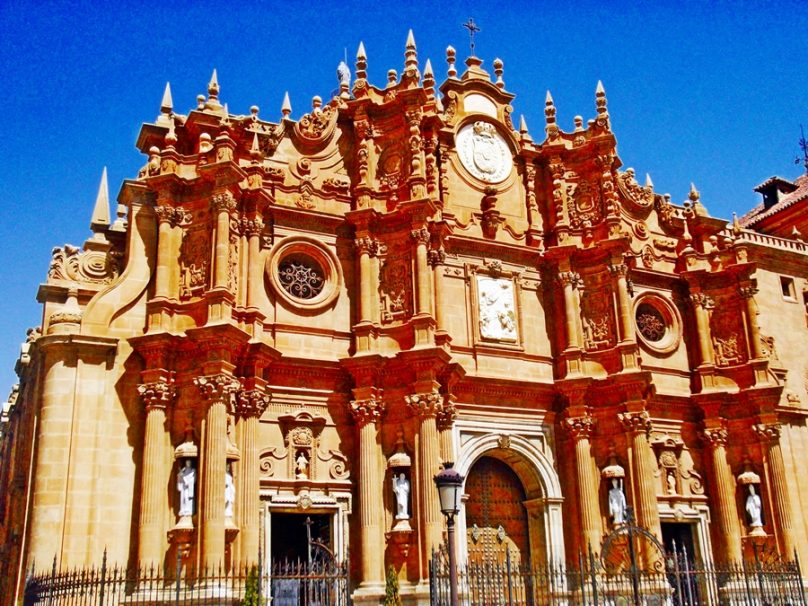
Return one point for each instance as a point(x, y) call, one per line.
point(473, 29)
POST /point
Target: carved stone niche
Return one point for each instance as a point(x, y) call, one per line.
point(674, 480)
point(301, 434)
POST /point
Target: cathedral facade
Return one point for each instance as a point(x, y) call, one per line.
point(288, 326)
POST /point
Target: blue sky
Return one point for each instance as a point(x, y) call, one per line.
point(710, 92)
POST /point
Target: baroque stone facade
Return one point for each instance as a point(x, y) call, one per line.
point(289, 319)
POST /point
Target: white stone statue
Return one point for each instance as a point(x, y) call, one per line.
point(301, 465)
point(229, 492)
point(754, 508)
point(401, 488)
point(186, 482)
point(343, 73)
point(671, 480)
point(617, 502)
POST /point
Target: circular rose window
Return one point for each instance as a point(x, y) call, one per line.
point(657, 323)
point(304, 273)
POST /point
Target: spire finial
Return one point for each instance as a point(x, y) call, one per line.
point(600, 98)
point(411, 58)
point(648, 182)
point(286, 106)
point(694, 195)
point(498, 71)
point(429, 79)
point(100, 218)
point(167, 104)
point(549, 109)
point(361, 62)
point(451, 55)
point(213, 87)
point(473, 29)
point(523, 128)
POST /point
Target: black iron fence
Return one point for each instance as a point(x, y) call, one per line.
point(285, 583)
point(674, 581)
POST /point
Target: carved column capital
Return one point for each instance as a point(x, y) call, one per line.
point(767, 432)
point(252, 227)
point(367, 411)
point(223, 202)
point(636, 422)
point(747, 292)
point(157, 394)
point(619, 270)
point(569, 278)
point(715, 437)
point(421, 236)
point(580, 428)
point(699, 299)
point(446, 416)
point(252, 403)
point(425, 404)
point(219, 388)
point(436, 257)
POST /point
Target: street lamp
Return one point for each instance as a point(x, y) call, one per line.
point(450, 487)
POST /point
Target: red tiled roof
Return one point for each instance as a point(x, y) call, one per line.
point(759, 212)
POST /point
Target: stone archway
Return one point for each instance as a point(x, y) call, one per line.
point(538, 479)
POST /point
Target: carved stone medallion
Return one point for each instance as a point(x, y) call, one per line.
point(484, 152)
point(497, 315)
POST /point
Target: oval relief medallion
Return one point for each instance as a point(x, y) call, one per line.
point(483, 152)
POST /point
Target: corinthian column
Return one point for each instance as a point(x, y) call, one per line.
point(701, 304)
point(620, 271)
point(218, 391)
point(153, 502)
point(769, 436)
point(750, 312)
point(444, 421)
point(723, 495)
point(569, 281)
point(367, 414)
point(253, 229)
point(421, 237)
point(581, 429)
point(250, 405)
point(643, 466)
point(427, 406)
point(222, 204)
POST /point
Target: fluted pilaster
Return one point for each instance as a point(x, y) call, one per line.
point(218, 391)
point(253, 229)
point(750, 316)
point(581, 429)
point(421, 237)
point(156, 397)
point(250, 405)
point(620, 274)
point(701, 306)
point(769, 436)
point(222, 204)
point(427, 406)
point(367, 414)
point(726, 511)
point(444, 422)
point(569, 282)
point(638, 426)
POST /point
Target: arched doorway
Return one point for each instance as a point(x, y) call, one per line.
point(496, 517)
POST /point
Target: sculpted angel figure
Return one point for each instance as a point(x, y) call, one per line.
point(186, 481)
point(754, 508)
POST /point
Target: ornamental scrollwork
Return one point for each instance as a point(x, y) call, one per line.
point(636, 422)
point(217, 388)
point(252, 403)
point(367, 411)
point(767, 432)
point(317, 125)
point(157, 394)
point(580, 428)
point(643, 197)
point(90, 266)
point(729, 343)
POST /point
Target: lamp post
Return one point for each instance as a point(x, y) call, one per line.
point(450, 487)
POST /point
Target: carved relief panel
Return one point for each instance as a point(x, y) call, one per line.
point(195, 257)
point(496, 307)
point(584, 204)
point(395, 283)
point(726, 329)
point(597, 313)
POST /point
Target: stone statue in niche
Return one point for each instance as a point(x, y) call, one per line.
point(754, 508)
point(229, 492)
point(301, 465)
point(401, 488)
point(496, 308)
point(671, 480)
point(617, 502)
point(186, 483)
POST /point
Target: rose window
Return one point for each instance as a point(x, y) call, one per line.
point(301, 277)
point(650, 322)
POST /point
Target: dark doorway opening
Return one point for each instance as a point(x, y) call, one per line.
point(680, 533)
point(290, 533)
